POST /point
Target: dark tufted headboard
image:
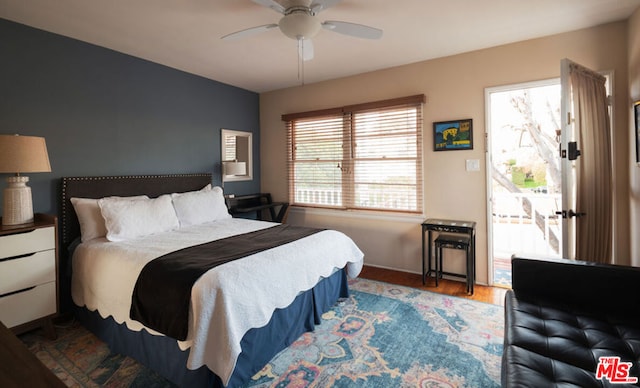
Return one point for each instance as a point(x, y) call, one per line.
point(104, 186)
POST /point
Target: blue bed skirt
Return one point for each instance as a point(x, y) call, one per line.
point(259, 346)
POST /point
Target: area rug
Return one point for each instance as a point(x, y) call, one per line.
point(80, 359)
point(384, 335)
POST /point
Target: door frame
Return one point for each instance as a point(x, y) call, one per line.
point(488, 156)
point(610, 74)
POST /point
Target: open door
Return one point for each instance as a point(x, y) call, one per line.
point(568, 165)
point(585, 151)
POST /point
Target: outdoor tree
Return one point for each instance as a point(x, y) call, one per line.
point(540, 140)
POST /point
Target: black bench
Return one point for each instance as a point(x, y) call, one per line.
point(571, 323)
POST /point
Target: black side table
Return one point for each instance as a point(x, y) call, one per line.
point(431, 225)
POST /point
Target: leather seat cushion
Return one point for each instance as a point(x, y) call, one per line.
point(547, 344)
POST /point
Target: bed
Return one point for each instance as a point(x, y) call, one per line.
point(239, 311)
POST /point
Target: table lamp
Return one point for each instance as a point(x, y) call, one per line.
point(233, 167)
point(20, 154)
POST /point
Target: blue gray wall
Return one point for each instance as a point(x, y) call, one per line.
point(107, 113)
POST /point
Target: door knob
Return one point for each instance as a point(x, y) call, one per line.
point(570, 213)
point(574, 214)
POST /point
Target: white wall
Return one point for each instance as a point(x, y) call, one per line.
point(454, 87)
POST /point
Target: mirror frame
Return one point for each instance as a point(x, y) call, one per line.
point(224, 133)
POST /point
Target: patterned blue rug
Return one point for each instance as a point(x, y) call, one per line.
point(382, 336)
point(392, 336)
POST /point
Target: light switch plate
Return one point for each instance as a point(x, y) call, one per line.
point(473, 165)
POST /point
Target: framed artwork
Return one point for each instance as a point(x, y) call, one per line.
point(636, 115)
point(453, 135)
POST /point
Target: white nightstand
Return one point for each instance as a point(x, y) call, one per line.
point(29, 275)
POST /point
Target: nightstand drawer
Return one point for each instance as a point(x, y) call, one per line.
point(26, 306)
point(29, 271)
point(36, 240)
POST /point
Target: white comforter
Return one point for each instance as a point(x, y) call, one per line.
point(228, 300)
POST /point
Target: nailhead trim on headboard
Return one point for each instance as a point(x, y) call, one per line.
point(130, 185)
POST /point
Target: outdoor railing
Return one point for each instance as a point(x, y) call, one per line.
point(379, 199)
point(319, 197)
point(526, 223)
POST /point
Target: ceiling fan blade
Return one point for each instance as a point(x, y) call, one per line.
point(274, 5)
point(249, 32)
point(305, 49)
point(320, 5)
point(352, 29)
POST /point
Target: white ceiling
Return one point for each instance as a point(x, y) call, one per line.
point(185, 34)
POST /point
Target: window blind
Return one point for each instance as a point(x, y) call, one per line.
point(366, 156)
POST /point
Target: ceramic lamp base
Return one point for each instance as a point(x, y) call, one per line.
point(17, 204)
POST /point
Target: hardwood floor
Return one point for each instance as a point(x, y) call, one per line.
point(494, 295)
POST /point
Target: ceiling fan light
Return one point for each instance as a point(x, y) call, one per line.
point(299, 26)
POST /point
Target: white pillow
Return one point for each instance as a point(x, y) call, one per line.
point(89, 216)
point(129, 219)
point(198, 207)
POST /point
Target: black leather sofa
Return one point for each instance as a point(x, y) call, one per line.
point(561, 316)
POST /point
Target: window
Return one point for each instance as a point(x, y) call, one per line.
point(366, 156)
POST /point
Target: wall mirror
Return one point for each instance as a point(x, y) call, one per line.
point(237, 163)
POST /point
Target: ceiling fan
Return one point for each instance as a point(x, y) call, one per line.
point(301, 24)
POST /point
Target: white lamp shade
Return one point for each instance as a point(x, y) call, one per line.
point(234, 168)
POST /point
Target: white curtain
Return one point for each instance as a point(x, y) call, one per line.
point(594, 166)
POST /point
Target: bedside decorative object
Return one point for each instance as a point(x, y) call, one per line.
point(20, 154)
point(28, 275)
